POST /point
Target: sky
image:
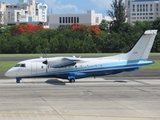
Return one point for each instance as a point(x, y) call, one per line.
point(74, 6)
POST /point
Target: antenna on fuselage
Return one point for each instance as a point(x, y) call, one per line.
point(44, 54)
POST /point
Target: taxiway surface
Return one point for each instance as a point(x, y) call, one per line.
point(87, 99)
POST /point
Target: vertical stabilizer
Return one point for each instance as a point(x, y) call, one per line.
point(142, 48)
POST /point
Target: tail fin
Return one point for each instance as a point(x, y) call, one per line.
point(142, 48)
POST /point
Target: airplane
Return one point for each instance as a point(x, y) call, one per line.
point(73, 68)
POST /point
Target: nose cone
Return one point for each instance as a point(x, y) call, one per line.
point(10, 73)
point(6, 74)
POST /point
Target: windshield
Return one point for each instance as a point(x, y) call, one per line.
point(17, 65)
point(20, 65)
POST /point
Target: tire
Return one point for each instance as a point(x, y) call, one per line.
point(72, 80)
point(17, 81)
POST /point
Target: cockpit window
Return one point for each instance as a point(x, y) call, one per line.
point(20, 65)
point(23, 65)
point(17, 65)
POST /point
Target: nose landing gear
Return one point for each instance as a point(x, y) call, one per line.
point(18, 80)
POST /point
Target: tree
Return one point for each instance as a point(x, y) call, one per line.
point(3, 28)
point(80, 28)
point(77, 27)
point(103, 25)
point(156, 24)
point(94, 29)
point(26, 28)
point(117, 14)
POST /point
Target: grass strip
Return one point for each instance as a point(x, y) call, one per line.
point(4, 66)
point(155, 66)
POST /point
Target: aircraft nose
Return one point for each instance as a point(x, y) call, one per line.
point(7, 74)
point(10, 73)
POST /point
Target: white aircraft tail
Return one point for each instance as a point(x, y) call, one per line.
point(142, 48)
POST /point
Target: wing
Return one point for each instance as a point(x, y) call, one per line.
point(62, 62)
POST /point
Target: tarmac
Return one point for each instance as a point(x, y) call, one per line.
point(125, 96)
point(87, 99)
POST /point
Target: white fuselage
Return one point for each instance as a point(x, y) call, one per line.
point(82, 68)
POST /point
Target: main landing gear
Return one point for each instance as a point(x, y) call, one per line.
point(72, 80)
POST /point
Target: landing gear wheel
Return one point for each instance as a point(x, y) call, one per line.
point(17, 81)
point(72, 80)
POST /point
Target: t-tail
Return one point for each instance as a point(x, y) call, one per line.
point(142, 48)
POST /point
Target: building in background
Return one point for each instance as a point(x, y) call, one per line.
point(89, 18)
point(2, 10)
point(23, 12)
point(142, 10)
point(30, 11)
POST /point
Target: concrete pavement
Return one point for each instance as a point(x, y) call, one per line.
point(96, 99)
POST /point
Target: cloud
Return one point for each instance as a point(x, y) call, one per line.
point(56, 6)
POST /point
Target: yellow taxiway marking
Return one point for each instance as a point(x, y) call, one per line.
point(79, 115)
